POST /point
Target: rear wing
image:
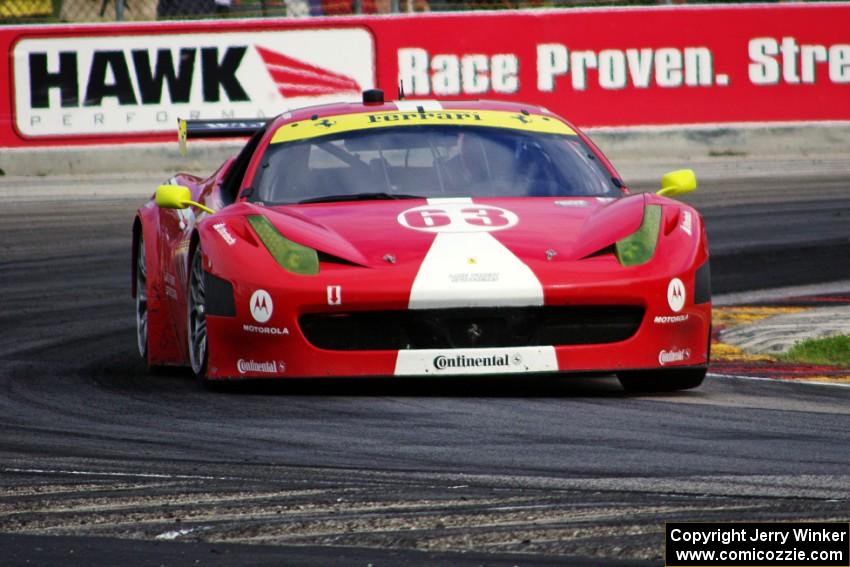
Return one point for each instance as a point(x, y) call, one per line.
point(222, 128)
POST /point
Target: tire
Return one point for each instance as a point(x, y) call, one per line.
point(196, 324)
point(142, 329)
point(662, 380)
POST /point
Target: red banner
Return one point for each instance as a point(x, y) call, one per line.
point(596, 67)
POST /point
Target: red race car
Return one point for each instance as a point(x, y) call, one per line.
point(420, 238)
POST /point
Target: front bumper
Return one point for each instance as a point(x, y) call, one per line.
point(240, 347)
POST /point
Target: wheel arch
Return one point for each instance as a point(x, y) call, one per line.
point(134, 255)
point(162, 350)
point(194, 242)
point(191, 256)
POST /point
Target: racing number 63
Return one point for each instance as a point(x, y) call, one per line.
point(485, 217)
point(457, 217)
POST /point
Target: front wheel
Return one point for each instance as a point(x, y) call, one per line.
point(197, 322)
point(668, 380)
point(142, 299)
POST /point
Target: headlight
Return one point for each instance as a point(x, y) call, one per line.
point(292, 256)
point(638, 247)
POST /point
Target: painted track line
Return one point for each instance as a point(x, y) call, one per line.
point(116, 474)
point(779, 380)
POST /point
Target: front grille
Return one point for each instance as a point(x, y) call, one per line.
point(471, 328)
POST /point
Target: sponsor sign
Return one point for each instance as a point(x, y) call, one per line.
point(469, 277)
point(442, 361)
point(668, 356)
point(143, 83)
point(601, 67)
point(676, 295)
point(261, 367)
point(476, 361)
point(572, 203)
point(262, 330)
point(668, 319)
point(687, 222)
point(306, 129)
point(261, 306)
point(221, 229)
point(627, 67)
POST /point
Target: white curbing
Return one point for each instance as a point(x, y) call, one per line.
point(777, 334)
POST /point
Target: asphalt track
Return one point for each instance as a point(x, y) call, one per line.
point(102, 463)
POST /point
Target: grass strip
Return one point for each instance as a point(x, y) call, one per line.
point(833, 350)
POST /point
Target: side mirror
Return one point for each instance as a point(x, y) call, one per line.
point(173, 196)
point(678, 183)
point(177, 197)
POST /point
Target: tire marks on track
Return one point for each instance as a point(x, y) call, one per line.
point(604, 518)
point(93, 445)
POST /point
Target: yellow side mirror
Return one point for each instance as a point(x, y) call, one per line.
point(177, 197)
point(173, 196)
point(678, 183)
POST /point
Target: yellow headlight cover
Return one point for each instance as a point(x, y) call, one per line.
point(291, 256)
point(639, 247)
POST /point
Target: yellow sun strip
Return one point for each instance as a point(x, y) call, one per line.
point(306, 129)
point(830, 379)
point(722, 352)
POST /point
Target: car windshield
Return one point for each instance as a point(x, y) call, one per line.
point(430, 162)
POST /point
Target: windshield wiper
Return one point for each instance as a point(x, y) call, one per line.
point(359, 197)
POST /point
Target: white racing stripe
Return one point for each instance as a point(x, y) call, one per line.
point(415, 105)
point(468, 267)
point(453, 362)
point(472, 269)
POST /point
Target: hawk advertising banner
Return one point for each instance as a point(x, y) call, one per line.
point(618, 67)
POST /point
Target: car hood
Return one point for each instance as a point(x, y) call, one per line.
point(375, 233)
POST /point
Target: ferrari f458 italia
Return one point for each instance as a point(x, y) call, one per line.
point(420, 238)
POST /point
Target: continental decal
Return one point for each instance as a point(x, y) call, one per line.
point(306, 129)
